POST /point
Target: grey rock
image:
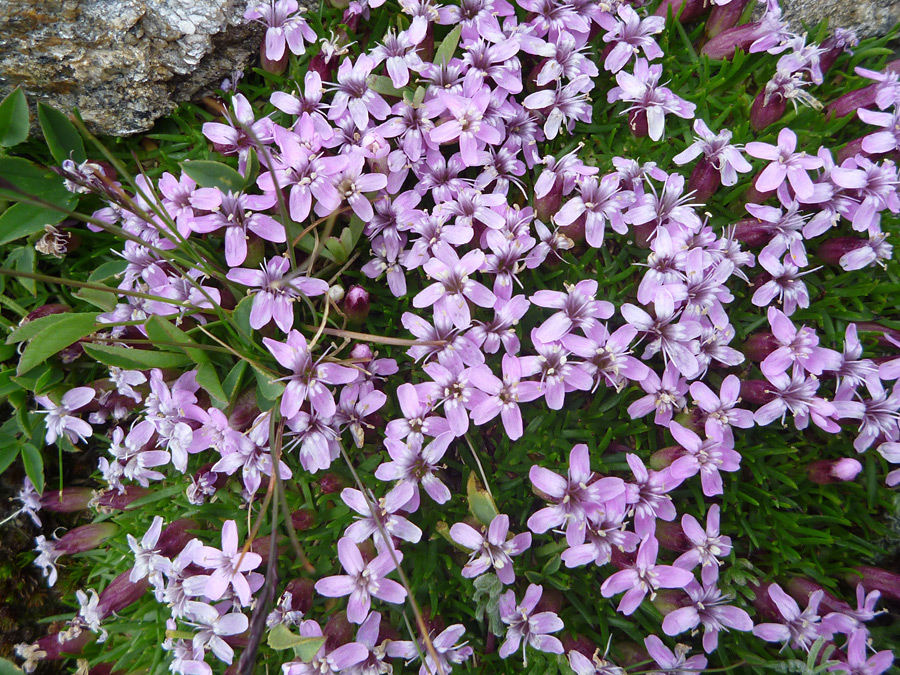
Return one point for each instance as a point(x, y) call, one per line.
point(868, 18)
point(122, 63)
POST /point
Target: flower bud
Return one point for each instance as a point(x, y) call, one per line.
point(67, 500)
point(303, 519)
point(336, 293)
point(121, 593)
point(877, 579)
point(45, 310)
point(113, 500)
point(759, 345)
point(758, 392)
point(356, 304)
point(637, 122)
point(752, 195)
point(52, 647)
point(683, 10)
point(704, 181)
point(763, 603)
point(825, 471)
point(244, 411)
point(273, 66)
point(667, 601)
point(547, 206)
point(671, 536)
point(663, 458)
point(338, 631)
point(800, 588)
point(852, 149)
point(85, 538)
point(303, 593)
point(551, 601)
point(362, 353)
point(832, 250)
point(319, 65)
point(767, 108)
point(176, 536)
point(330, 483)
point(852, 101)
point(723, 45)
point(723, 17)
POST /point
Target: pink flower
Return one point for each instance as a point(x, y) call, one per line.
point(228, 565)
point(785, 164)
point(491, 549)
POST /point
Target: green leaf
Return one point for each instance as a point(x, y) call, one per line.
point(14, 119)
point(335, 250)
point(68, 329)
point(135, 359)
point(448, 46)
point(34, 465)
point(162, 331)
point(214, 175)
point(280, 637)
point(32, 180)
point(383, 86)
point(481, 504)
point(23, 220)
point(105, 300)
point(9, 668)
point(8, 454)
point(28, 330)
point(252, 170)
point(208, 378)
point(61, 135)
point(267, 388)
point(233, 379)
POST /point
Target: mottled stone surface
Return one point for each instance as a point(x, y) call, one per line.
point(868, 18)
point(122, 63)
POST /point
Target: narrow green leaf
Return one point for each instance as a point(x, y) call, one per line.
point(233, 379)
point(14, 119)
point(448, 46)
point(69, 329)
point(383, 86)
point(34, 465)
point(25, 263)
point(162, 330)
point(135, 359)
point(8, 454)
point(252, 170)
point(214, 175)
point(61, 135)
point(28, 330)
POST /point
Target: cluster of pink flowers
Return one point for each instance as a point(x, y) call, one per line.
point(435, 178)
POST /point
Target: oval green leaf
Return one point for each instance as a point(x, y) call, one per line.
point(69, 328)
point(135, 359)
point(61, 135)
point(214, 175)
point(34, 465)
point(14, 119)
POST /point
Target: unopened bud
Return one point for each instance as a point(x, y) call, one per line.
point(303, 519)
point(356, 304)
point(800, 588)
point(362, 353)
point(85, 538)
point(723, 45)
point(671, 536)
point(176, 536)
point(338, 631)
point(121, 593)
point(303, 593)
point(683, 10)
point(877, 579)
point(336, 293)
point(852, 101)
point(825, 471)
point(832, 250)
point(46, 310)
point(768, 108)
point(704, 181)
point(637, 122)
point(244, 411)
point(113, 500)
point(276, 66)
point(758, 392)
point(759, 345)
point(664, 457)
point(723, 17)
point(67, 500)
point(330, 483)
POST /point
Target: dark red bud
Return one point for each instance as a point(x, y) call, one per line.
point(852, 101)
point(244, 411)
point(55, 650)
point(176, 535)
point(277, 66)
point(763, 112)
point(85, 538)
point(551, 601)
point(303, 592)
point(825, 471)
point(356, 304)
point(664, 457)
point(877, 579)
point(723, 17)
point(121, 593)
point(671, 536)
point(704, 181)
point(113, 500)
point(46, 310)
point(759, 345)
point(68, 500)
point(832, 250)
point(683, 10)
point(330, 483)
point(758, 392)
point(637, 122)
point(723, 45)
point(338, 631)
point(800, 588)
point(303, 519)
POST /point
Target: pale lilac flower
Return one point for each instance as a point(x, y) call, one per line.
point(490, 549)
point(466, 124)
point(708, 545)
point(501, 331)
point(239, 214)
point(417, 421)
point(577, 497)
point(608, 355)
point(309, 377)
point(578, 308)
point(786, 164)
point(451, 387)
point(642, 90)
point(785, 284)
point(60, 421)
point(707, 457)
point(326, 661)
point(273, 295)
point(452, 347)
point(133, 461)
point(242, 132)
point(881, 141)
point(126, 380)
point(800, 628)
point(386, 515)
point(452, 286)
point(353, 93)
point(362, 581)
point(228, 565)
point(708, 606)
point(495, 60)
point(414, 464)
point(673, 663)
point(630, 34)
point(716, 149)
point(398, 50)
point(563, 57)
point(857, 663)
point(598, 665)
point(147, 560)
point(599, 201)
point(605, 532)
point(721, 413)
point(558, 374)
point(676, 340)
point(503, 396)
point(797, 394)
point(213, 628)
point(798, 347)
point(387, 258)
point(648, 496)
point(31, 502)
point(562, 106)
point(317, 437)
point(449, 650)
point(645, 576)
point(664, 395)
point(284, 26)
point(526, 627)
point(46, 559)
point(351, 183)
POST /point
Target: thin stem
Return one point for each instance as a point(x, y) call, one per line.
point(378, 339)
point(96, 287)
